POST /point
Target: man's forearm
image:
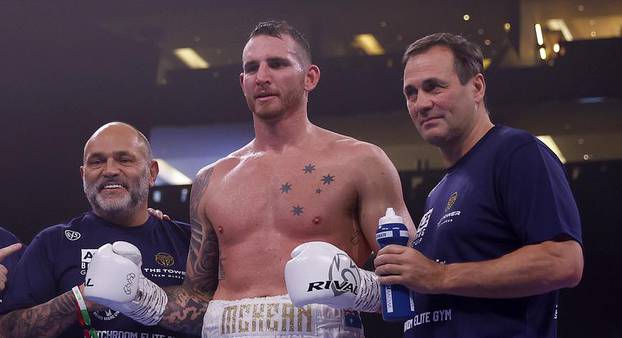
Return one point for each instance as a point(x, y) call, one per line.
point(45, 320)
point(187, 303)
point(533, 269)
point(185, 309)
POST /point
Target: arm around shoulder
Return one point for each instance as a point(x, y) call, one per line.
point(188, 302)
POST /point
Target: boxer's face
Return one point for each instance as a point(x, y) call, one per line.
point(273, 77)
point(116, 173)
point(441, 108)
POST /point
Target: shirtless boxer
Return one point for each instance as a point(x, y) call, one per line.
point(294, 183)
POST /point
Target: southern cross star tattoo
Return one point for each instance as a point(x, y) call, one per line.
point(308, 168)
point(328, 179)
point(297, 210)
point(285, 188)
point(318, 190)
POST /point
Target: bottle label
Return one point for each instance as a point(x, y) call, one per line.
point(385, 234)
point(389, 298)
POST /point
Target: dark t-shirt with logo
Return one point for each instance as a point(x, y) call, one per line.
point(509, 191)
point(58, 257)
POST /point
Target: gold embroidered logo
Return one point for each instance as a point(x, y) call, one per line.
point(267, 317)
point(451, 201)
point(164, 259)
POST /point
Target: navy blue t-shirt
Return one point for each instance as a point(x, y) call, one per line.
point(6, 239)
point(58, 257)
point(508, 191)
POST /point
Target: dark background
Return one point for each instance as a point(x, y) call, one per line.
point(66, 68)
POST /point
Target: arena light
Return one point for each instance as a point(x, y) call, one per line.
point(539, 36)
point(507, 26)
point(548, 140)
point(560, 25)
point(487, 62)
point(369, 44)
point(542, 53)
point(591, 99)
point(171, 175)
point(191, 58)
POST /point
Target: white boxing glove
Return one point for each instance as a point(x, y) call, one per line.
point(321, 273)
point(114, 279)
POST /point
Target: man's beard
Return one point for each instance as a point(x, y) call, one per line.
point(138, 192)
point(289, 100)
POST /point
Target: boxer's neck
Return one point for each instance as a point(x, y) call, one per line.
point(290, 130)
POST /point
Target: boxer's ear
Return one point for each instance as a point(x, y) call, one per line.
point(312, 77)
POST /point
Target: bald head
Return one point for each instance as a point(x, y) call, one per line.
point(117, 172)
point(120, 131)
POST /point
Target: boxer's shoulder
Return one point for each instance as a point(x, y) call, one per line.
point(215, 169)
point(360, 156)
point(344, 145)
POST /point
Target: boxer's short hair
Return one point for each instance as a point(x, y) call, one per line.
point(278, 28)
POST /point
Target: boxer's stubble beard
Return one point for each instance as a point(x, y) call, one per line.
point(114, 208)
point(290, 99)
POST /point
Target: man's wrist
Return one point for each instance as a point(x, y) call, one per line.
point(83, 313)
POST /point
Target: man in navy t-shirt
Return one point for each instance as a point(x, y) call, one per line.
point(501, 233)
point(117, 172)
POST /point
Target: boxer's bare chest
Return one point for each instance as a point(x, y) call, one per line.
point(301, 195)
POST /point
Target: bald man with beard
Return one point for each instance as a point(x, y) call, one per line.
point(117, 172)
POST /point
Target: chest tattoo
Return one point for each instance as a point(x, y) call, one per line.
point(309, 168)
point(328, 179)
point(297, 210)
point(285, 188)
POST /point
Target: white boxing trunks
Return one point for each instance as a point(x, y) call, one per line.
point(277, 317)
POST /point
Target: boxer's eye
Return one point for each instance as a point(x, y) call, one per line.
point(277, 63)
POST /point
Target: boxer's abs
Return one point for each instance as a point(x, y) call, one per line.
point(252, 271)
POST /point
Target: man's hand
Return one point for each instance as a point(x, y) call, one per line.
point(4, 253)
point(396, 264)
point(159, 214)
